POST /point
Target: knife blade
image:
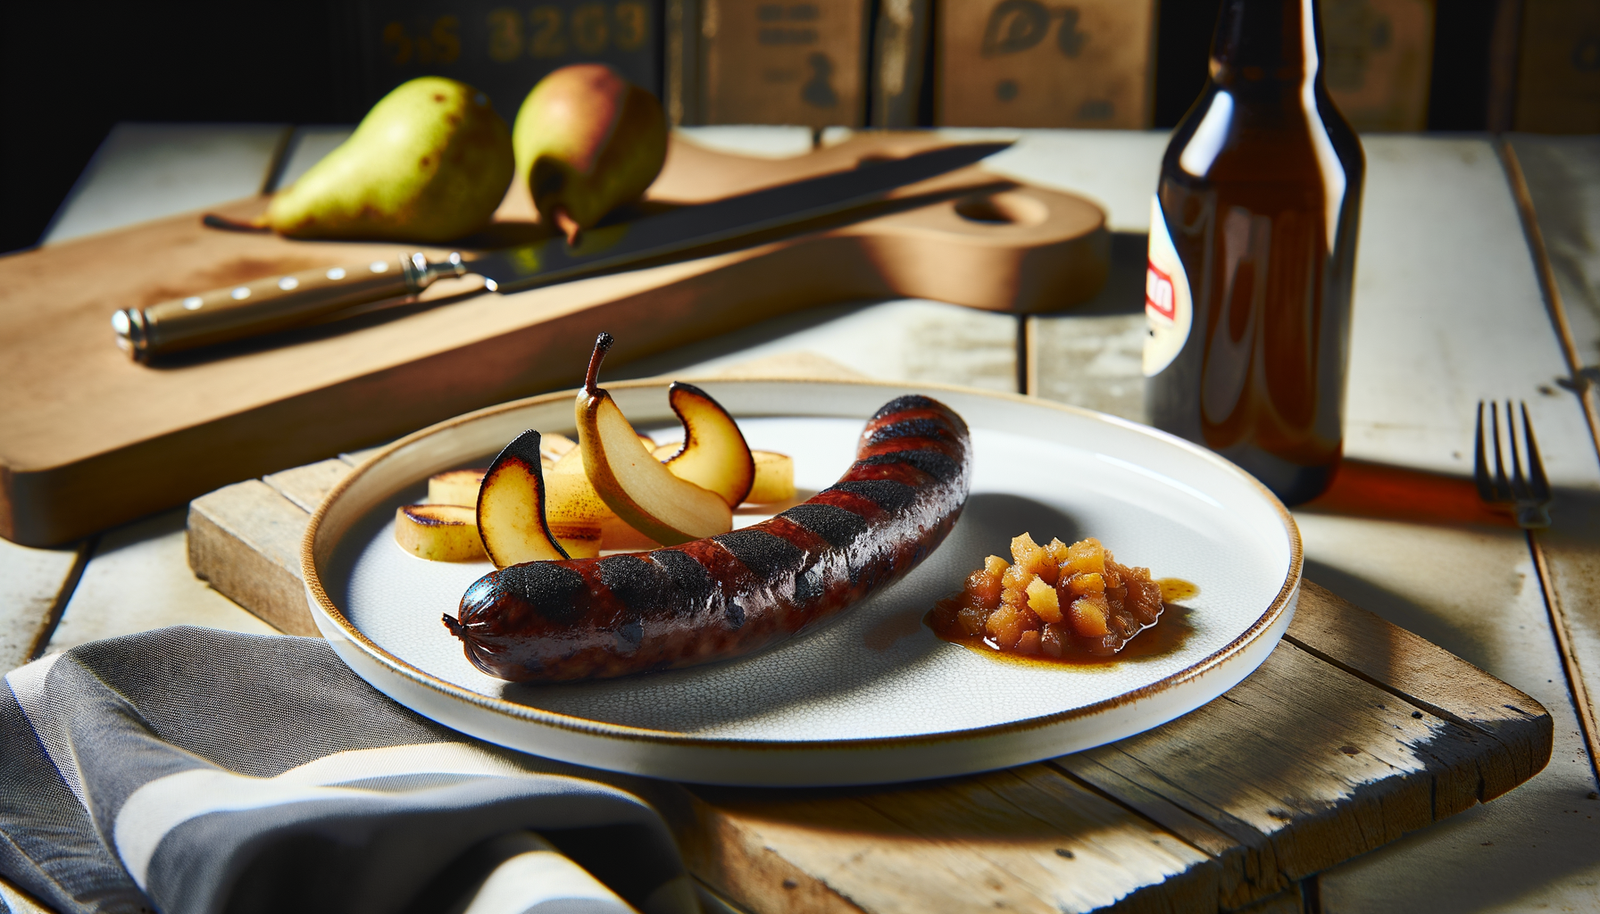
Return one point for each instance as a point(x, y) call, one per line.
point(277, 303)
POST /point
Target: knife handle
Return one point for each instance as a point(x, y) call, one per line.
point(269, 304)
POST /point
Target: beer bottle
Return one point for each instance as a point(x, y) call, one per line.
point(1252, 255)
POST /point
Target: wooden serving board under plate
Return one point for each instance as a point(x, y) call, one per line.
point(1352, 733)
point(89, 439)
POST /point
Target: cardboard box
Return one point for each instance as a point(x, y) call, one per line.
point(783, 62)
point(1379, 59)
point(1558, 81)
point(1029, 63)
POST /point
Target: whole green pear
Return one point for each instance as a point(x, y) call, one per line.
point(587, 141)
point(429, 163)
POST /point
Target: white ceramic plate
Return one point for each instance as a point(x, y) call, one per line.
point(874, 696)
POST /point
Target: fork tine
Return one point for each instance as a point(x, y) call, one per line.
point(1539, 484)
point(1519, 482)
point(1480, 468)
point(1502, 488)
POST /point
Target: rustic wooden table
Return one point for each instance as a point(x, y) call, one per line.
point(1478, 278)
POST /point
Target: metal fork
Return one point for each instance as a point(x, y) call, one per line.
point(1528, 494)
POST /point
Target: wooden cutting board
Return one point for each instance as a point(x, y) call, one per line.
point(89, 439)
point(1352, 733)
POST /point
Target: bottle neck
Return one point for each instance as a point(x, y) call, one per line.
point(1266, 41)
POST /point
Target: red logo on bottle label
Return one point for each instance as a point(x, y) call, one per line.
point(1159, 299)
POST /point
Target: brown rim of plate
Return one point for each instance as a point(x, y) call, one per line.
point(585, 726)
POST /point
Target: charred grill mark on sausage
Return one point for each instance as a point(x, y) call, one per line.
point(739, 592)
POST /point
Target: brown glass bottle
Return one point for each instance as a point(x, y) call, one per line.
point(1252, 255)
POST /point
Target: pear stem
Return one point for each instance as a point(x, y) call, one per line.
point(568, 226)
point(602, 345)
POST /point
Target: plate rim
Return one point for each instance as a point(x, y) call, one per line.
point(323, 605)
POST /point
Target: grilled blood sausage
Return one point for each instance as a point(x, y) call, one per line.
point(729, 595)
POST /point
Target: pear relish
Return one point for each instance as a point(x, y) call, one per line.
point(1051, 601)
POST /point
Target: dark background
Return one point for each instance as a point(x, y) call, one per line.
point(68, 72)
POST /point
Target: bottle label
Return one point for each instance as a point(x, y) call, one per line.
point(1168, 304)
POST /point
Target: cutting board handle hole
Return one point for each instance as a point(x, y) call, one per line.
point(1004, 208)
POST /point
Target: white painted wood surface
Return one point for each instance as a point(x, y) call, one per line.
point(145, 171)
point(1448, 311)
point(138, 579)
point(32, 582)
point(1563, 174)
point(909, 339)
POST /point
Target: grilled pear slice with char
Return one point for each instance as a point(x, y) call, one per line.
point(639, 488)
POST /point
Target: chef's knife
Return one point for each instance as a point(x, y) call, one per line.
point(279, 302)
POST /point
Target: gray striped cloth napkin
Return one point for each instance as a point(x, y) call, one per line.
point(187, 770)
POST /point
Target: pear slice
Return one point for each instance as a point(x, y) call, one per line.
point(714, 454)
point(455, 487)
point(774, 476)
point(511, 517)
point(572, 500)
point(774, 480)
point(578, 541)
point(553, 447)
point(639, 488)
point(440, 533)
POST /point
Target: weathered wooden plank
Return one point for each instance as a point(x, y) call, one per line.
point(1025, 839)
point(245, 540)
point(1021, 820)
point(1231, 856)
point(34, 585)
point(307, 486)
point(1473, 590)
point(1305, 767)
point(1428, 677)
point(137, 579)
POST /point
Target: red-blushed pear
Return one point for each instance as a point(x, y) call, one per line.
point(714, 454)
point(511, 517)
point(641, 490)
point(587, 141)
point(440, 533)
